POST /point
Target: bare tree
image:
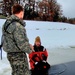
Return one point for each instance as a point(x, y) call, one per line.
point(44, 9)
point(7, 6)
point(49, 9)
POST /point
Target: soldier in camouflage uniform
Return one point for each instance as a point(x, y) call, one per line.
point(16, 43)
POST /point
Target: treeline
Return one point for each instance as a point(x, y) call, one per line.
point(67, 20)
point(42, 10)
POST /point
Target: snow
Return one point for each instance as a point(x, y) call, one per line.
point(58, 38)
point(52, 34)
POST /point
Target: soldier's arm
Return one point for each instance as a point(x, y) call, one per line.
point(21, 39)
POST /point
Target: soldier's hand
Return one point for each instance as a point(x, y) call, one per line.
point(32, 47)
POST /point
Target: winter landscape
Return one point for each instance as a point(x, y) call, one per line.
point(58, 39)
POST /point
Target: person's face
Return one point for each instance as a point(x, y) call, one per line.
point(37, 44)
point(21, 14)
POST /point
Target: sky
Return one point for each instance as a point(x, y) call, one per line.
point(68, 7)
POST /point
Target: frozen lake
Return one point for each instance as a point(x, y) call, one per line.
point(58, 38)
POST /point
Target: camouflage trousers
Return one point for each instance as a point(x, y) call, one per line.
point(19, 64)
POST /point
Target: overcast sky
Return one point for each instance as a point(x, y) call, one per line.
point(68, 7)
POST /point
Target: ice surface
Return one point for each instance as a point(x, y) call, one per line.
point(58, 38)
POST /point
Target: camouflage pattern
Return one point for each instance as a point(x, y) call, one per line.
point(16, 44)
point(18, 63)
point(15, 31)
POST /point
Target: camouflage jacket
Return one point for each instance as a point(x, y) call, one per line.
point(15, 38)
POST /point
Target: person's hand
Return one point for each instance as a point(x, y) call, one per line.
point(32, 47)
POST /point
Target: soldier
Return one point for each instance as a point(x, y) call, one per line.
point(16, 43)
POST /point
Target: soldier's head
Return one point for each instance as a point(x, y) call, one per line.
point(18, 11)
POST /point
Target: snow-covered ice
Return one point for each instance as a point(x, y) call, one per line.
point(58, 38)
